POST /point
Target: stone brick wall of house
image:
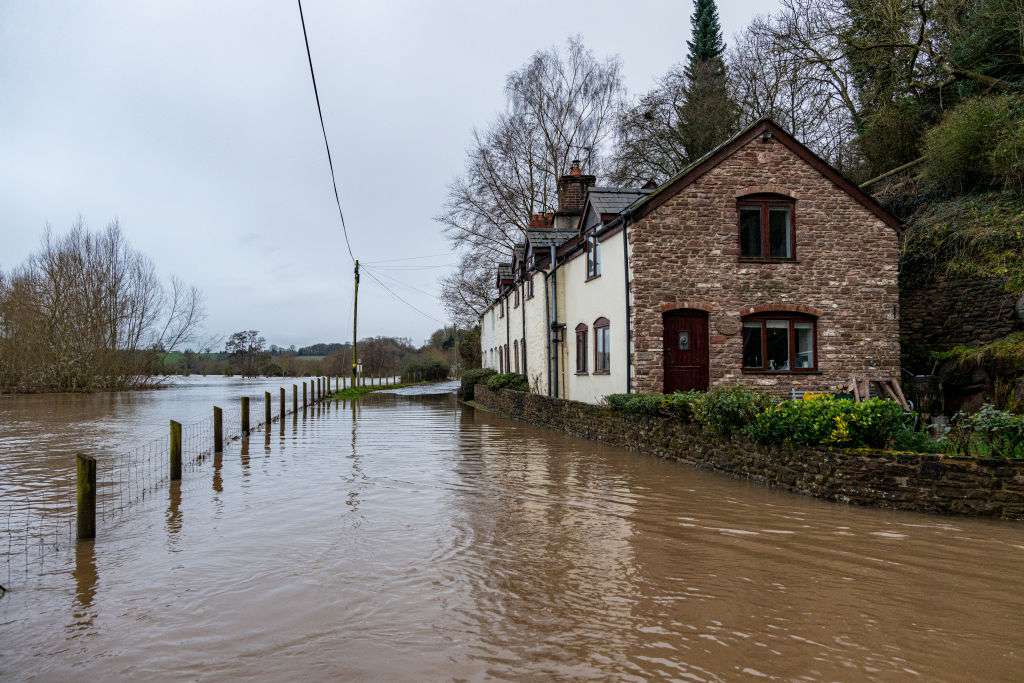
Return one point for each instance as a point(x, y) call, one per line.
point(944, 314)
point(685, 254)
point(900, 481)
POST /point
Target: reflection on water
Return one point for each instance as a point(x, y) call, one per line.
point(82, 612)
point(411, 538)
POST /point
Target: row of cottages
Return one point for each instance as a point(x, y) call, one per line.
point(759, 264)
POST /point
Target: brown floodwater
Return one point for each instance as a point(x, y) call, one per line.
point(413, 538)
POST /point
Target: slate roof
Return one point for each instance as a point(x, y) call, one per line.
point(612, 200)
point(546, 238)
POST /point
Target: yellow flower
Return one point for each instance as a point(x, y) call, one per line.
point(840, 433)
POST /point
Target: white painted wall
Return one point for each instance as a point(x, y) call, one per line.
point(586, 301)
point(536, 338)
point(488, 338)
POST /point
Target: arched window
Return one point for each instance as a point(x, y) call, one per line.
point(767, 227)
point(515, 353)
point(780, 342)
point(508, 360)
point(602, 347)
point(581, 349)
point(501, 363)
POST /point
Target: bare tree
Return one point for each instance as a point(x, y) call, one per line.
point(770, 79)
point(467, 291)
point(88, 311)
point(650, 144)
point(560, 106)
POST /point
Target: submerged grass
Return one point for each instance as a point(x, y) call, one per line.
point(350, 393)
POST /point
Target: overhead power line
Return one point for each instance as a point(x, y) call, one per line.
point(392, 293)
point(408, 258)
point(392, 278)
point(323, 128)
point(439, 265)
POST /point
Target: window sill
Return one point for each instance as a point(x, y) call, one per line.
point(592, 277)
point(758, 371)
point(582, 374)
point(761, 259)
point(602, 372)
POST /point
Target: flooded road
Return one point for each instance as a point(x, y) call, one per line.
point(412, 538)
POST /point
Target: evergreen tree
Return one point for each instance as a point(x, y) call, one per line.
point(707, 115)
point(707, 44)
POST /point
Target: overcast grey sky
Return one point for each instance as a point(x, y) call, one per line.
point(194, 123)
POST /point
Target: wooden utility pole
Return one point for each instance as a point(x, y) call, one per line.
point(355, 325)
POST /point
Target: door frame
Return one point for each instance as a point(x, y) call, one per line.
point(686, 313)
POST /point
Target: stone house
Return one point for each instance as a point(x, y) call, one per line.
point(759, 264)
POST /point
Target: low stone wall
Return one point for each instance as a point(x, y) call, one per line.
point(900, 481)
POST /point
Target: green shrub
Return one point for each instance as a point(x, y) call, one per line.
point(617, 401)
point(989, 433)
point(828, 421)
point(507, 380)
point(918, 442)
point(803, 423)
point(978, 143)
point(678, 405)
point(470, 378)
point(729, 410)
point(637, 404)
point(875, 422)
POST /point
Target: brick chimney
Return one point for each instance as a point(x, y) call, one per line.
point(572, 194)
point(542, 221)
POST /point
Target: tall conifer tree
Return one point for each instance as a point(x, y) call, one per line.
point(707, 115)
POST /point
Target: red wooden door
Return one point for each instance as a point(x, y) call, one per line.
point(686, 350)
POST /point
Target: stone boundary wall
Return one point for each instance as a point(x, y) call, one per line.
point(899, 481)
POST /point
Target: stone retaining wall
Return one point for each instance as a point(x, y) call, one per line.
point(901, 481)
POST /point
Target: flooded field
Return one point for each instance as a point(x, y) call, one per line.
point(412, 538)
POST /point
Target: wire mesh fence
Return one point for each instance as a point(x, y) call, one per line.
point(40, 525)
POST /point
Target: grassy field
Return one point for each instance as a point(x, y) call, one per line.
point(355, 392)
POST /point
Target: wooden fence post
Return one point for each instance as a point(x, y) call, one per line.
point(267, 416)
point(218, 430)
point(85, 496)
point(295, 398)
point(282, 404)
point(175, 463)
point(245, 415)
point(303, 395)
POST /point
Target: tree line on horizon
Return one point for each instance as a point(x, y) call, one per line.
point(246, 353)
point(88, 312)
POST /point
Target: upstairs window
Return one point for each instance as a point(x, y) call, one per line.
point(602, 348)
point(780, 342)
point(516, 305)
point(529, 286)
point(593, 256)
point(581, 349)
point(766, 228)
point(501, 308)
